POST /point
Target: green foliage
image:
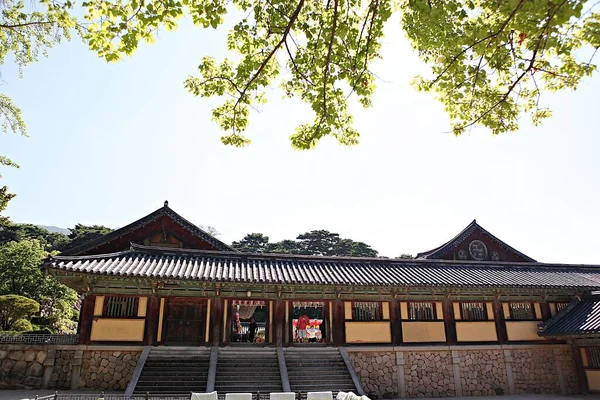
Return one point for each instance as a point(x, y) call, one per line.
point(81, 234)
point(52, 241)
point(252, 243)
point(491, 60)
point(405, 256)
point(21, 325)
point(20, 274)
point(316, 243)
point(14, 307)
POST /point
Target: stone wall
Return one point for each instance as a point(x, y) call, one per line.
point(21, 369)
point(67, 367)
point(378, 372)
point(429, 374)
point(110, 370)
point(483, 372)
point(448, 371)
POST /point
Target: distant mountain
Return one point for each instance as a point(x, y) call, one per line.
point(55, 229)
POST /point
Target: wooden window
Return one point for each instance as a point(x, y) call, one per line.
point(422, 311)
point(473, 311)
point(522, 311)
point(561, 306)
point(120, 307)
point(593, 357)
point(366, 311)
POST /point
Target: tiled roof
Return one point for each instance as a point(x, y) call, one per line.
point(458, 239)
point(215, 266)
point(580, 318)
point(163, 211)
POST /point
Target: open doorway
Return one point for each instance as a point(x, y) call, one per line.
point(249, 321)
point(309, 322)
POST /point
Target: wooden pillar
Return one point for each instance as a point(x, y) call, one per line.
point(449, 322)
point(279, 322)
point(216, 320)
point(86, 316)
point(338, 333)
point(152, 320)
point(499, 320)
point(580, 369)
point(396, 322)
point(546, 314)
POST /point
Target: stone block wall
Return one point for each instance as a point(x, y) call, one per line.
point(378, 372)
point(483, 372)
point(109, 370)
point(429, 374)
point(67, 367)
point(449, 371)
point(22, 368)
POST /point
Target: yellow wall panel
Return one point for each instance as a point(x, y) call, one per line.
point(117, 330)
point(368, 332)
point(476, 331)
point(456, 307)
point(142, 306)
point(506, 309)
point(439, 310)
point(593, 378)
point(348, 309)
point(416, 332)
point(161, 313)
point(385, 310)
point(552, 309)
point(538, 310)
point(403, 310)
point(522, 330)
point(98, 306)
point(584, 359)
point(207, 322)
point(490, 310)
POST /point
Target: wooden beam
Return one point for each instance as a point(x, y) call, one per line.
point(216, 321)
point(152, 320)
point(499, 320)
point(449, 322)
point(396, 322)
point(339, 323)
point(546, 314)
point(85, 319)
point(279, 322)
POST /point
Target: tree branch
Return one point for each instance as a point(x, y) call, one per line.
point(328, 58)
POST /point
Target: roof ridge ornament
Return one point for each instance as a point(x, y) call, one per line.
point(166, 203)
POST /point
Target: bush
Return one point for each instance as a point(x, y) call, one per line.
point(21, 325)
point(14, 307)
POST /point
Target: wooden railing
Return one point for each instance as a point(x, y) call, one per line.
point(35, 338)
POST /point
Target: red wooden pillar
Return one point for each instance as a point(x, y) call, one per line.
point(84, 329)
point(500, 322)
point(338, 333)
point(546, 314)
point(152, 320)
point(580, 369)
point(216, 320)
point(396, 322)
point(278, 322)
point(449, 322)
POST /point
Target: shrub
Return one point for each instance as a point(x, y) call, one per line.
point(14, 307)
point(21, 325)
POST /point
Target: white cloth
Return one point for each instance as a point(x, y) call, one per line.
point(350, 396)
point(283, 396)
point(204, 396)
point(238, 396)
point(319, 396)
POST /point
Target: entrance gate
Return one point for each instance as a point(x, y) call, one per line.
point(185, 319)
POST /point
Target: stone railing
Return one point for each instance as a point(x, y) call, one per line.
point(38, 339)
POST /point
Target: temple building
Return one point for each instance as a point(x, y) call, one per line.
point(473, 316)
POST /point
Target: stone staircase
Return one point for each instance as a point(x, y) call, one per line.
point(174, 370)
point(318, 370)
point(248, 370)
